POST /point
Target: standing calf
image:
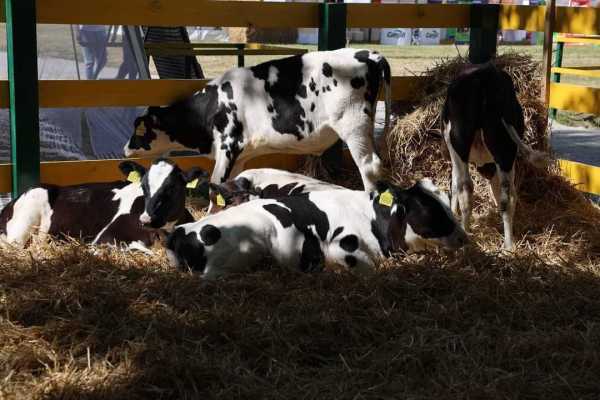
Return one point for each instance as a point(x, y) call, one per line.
point(344, 227)
point(296, 105)
point(484, 125)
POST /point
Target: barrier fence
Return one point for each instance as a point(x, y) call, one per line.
point(23, 93)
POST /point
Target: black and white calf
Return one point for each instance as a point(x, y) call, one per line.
point(484, 125)
point(298, 105)
point(264, 183)
point(344, 227)
point(112, 212)
point(164, 189)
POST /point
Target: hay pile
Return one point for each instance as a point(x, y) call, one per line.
point(91, 323)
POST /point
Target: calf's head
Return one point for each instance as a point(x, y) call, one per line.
point(154, 134)
point(231, 193)
point(164, 186)
point(416, 218)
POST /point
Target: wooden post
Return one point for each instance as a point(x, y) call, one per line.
point(332, 36)
point(547, 63)
point(484, 32)
point(21, 44)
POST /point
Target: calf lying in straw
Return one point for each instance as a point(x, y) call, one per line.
point(263, 183)
point(103, 212)
point(343, 227)
point(484, 125)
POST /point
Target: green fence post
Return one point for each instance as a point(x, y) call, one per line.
point(484, 32)
point(332, 26)
point(332, 36)
point(240, 56)
point(21, 43)
point(556, 77)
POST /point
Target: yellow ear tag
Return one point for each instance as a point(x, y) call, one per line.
point(220, 200)
point(134, 177)
point(386, 199)
point(141, 130)
point(193, 184)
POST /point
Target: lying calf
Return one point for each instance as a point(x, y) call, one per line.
point(263, 183)
point(349, 228)
point(102, 212)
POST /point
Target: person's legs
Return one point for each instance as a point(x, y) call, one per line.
point(122, 72)
point(99, 49)
point(128, 68)
point(88, 55)
point(129, 61)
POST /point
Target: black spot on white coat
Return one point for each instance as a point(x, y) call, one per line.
point(349, 243)
point(337, 231)
point(304, 215)
point(327, 70)
point(281, 213)
point(357, 82)
point(226, 87)
point(302, 91)
point(210, 235)
point(289, 118)
point(351, 261)
point(189, 250)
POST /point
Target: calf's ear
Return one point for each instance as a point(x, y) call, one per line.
point(159, 115)
point(155, 111)
point(216, 188)
point(381, 186)
point(127, 167)
point(243, 184)
point(193, 173)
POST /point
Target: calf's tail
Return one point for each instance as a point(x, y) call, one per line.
point(384, 69)
point(536, 158)
point(5, 216)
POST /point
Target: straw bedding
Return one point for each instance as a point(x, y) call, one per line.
point(83, 323)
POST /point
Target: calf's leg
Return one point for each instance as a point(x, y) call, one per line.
point(31, 212)
point(358, 136)
point(221, 171)
point(504, 151)
point(223, 168)
point(505, 195)
point(462, 185)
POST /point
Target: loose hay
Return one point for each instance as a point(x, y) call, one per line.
point(79, 322)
